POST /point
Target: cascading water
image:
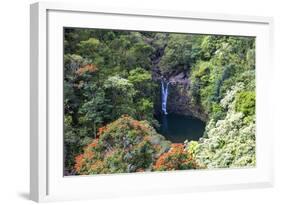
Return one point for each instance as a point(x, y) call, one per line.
point(165, 92)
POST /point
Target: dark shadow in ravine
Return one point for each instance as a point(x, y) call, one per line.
point(178, 128)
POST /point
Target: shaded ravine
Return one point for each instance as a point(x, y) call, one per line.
point(179, 119)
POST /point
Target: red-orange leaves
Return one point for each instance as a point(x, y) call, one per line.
point(101, 130)
point(79, 162)
point(91, 68)
point(177, 158)
point(125, 145)
point(94, 143)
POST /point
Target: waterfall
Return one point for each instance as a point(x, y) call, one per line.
point(165, 92)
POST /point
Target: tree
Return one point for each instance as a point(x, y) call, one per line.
point(177, 158)
point(94, 50)
point(145, 94)
point(177, 54)
point(125, 145)
point(120, 94)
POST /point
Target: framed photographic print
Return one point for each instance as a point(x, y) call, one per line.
point(127, 102)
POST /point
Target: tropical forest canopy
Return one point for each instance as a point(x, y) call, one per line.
point(112, 95)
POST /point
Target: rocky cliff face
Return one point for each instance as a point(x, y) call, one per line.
point(179, 101)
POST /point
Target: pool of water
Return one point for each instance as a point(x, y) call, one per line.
point(178, 128)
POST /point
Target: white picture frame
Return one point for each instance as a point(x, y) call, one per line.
point(47, 182)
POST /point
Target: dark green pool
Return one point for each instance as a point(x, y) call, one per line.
point(178, 128)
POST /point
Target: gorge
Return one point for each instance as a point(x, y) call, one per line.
point(177, 126)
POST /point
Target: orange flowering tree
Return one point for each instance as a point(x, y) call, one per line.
point(90, 68)
point(177, 158)
point(125, 145)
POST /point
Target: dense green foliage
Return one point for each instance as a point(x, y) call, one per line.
point(225, 61)
point(105, 76)
point(109, 74)
point(223, 83)
point(177, 53)
point(229, 142)
point(245, 102)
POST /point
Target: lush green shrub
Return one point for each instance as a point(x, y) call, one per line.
point(245, 102)
point(191, 147)
point(217, 112)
